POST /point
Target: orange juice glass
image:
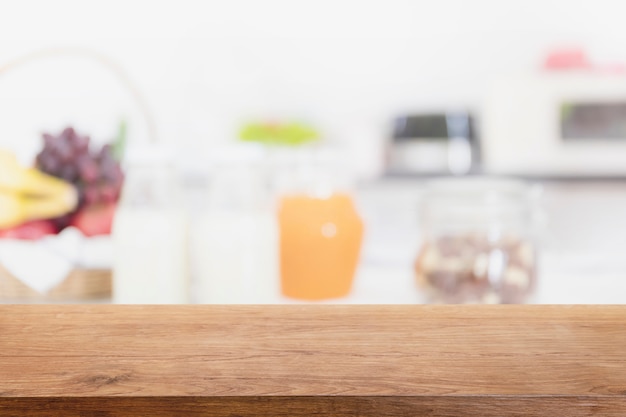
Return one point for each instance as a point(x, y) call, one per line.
point(320, 241)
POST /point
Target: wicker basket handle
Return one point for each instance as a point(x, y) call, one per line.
point(103, 60)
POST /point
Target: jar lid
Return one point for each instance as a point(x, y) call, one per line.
point(485, 189)
point(477, 201)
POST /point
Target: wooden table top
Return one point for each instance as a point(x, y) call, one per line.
point(313, 360)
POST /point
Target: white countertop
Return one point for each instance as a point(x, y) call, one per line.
point(583, 244)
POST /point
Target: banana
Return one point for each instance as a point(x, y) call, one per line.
point(16, 209)
point(10, 211)
point(16, 178)
point(28, 194)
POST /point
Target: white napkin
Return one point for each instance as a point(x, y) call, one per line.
point(94, 252)
point(34, 264)
point(68, 244)
point(45, 263)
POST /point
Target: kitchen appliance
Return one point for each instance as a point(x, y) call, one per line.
point(556, 123)
point(436, 143)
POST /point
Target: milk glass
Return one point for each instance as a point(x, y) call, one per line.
point(150, 233)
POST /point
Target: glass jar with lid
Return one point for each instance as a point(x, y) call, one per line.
point(478, 241)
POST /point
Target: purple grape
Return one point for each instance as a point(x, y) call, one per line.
point(92, 196)
point(67, 134)
point(96, 174)
point(48, 140)
point(106, 152)
point(81, 145)
point(107, 193)
point(88, 169)
point(48, 163)
point(69, 173)
point(64, 150)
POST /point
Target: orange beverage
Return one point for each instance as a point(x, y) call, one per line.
point(320, 241)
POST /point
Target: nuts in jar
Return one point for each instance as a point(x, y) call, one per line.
point(479, 235)
point(469, 268)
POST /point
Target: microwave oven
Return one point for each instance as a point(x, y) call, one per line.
point(570, 123)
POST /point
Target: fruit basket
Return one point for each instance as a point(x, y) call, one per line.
point(56, 219)
point(80, 284)
point(56, 212)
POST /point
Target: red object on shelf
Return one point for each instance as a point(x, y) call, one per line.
point(576, 59)
point(567, 59)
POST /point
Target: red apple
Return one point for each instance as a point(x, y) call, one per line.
point(94, 220)
point(32, 230)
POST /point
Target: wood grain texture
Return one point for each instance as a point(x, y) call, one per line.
point(313, 360)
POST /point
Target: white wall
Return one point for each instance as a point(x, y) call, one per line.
point(348, 65)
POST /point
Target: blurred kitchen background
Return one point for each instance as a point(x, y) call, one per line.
point(250, 126)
